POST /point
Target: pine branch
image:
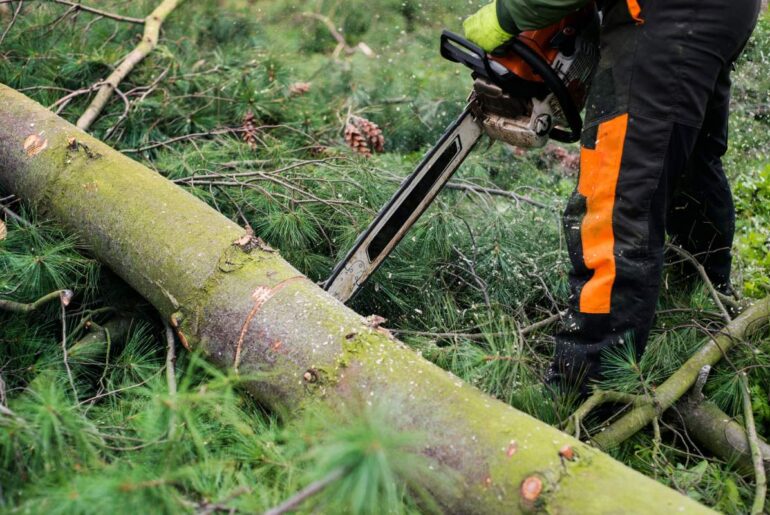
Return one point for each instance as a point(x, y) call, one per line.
point(683, 379)
point(152, 25)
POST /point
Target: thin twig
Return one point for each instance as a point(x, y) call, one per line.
point(92, 10)
point(310, 490)
point(702, 272)
point(496, 193)
point(543, 323)
point(185, 137)
point(106, 14)
point(14, 216)
point(12, 22)
point(756, 454)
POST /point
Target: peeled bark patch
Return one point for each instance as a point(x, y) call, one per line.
point(185, 258)
point(34, 144)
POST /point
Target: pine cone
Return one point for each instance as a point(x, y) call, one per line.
point(356, 140)
point(250, 130)
point(299, 88)
point(372, 132)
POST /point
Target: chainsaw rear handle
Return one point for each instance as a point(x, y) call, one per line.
point(458, 49)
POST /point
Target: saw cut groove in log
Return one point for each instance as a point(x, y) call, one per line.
point(189, 261)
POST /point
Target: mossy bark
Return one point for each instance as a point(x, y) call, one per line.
point(244, 306)
point(716, 431)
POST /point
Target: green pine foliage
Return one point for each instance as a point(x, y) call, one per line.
point(462, 287)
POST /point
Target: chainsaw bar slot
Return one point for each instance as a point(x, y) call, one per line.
point(397, 220)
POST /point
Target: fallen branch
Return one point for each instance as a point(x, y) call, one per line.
point(756, 454)
point(64, 296)
point(171, 377)
point(676, 386)
point(598, 398)
point(716, 431)
point(64, 302)
point(152, 25)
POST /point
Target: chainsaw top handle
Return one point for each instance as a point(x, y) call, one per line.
point(458, 49)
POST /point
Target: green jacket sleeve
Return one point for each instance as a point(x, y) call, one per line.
point(516, 16)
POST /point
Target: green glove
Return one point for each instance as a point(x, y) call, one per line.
point(483, 28)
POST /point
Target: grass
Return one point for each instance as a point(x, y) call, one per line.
point(472, 273)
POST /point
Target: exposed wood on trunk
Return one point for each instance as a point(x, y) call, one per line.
point(222, 289)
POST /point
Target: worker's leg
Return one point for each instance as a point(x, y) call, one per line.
point(702, 215)
point(650, 95)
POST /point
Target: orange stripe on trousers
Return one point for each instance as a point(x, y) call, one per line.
point(636, 11)
point(599, 169)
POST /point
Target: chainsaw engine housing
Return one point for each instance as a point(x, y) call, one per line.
point(524, 110)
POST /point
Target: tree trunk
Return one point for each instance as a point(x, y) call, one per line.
point(243, 306)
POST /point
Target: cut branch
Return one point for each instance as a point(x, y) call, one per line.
point(301, 347)
point(152, 25)
point(62, 296)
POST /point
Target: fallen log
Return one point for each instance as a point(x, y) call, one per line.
point(236, 300)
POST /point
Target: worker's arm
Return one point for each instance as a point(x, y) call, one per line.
point(521, 15)
point(496, 23)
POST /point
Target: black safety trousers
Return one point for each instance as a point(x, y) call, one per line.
point(651, 164)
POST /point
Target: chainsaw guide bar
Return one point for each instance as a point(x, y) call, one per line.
point(531, 91)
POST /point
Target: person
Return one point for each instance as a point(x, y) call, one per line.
point(651, 160)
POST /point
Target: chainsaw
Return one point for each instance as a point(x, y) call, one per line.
point(530, 90)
